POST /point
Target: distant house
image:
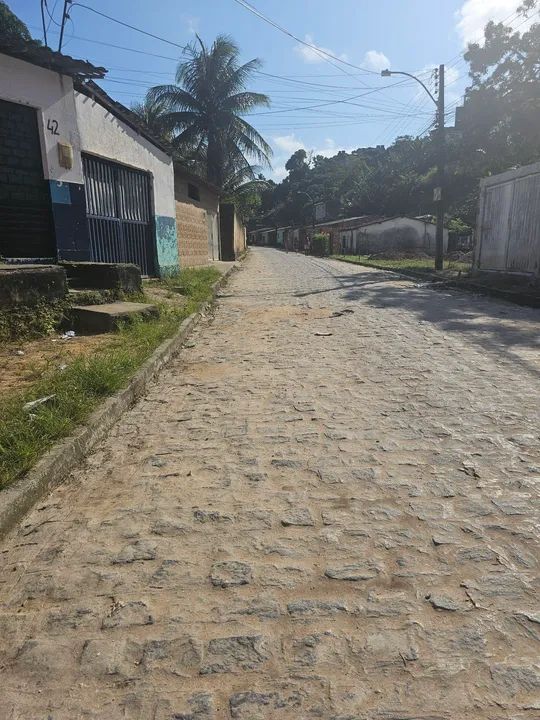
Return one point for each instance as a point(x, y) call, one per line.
point(263, 236)
point(81, 178)
point(371, 234)
point(197, 218)
point(282, 236)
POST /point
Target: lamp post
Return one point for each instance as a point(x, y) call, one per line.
point(438, 193)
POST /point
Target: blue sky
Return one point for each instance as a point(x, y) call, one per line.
point(411, 35)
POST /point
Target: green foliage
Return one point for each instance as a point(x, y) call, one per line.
point(24, 436)
point(502, 106)
point(196, 284)
point(25, 322)
point(202, 114)
point(12, 30)
point(414, 266)
point(458, 226)
point(320, 245)
point(499, 129)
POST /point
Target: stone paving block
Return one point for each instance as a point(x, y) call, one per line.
point(291, 526)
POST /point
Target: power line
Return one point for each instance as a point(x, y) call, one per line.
point(318, 50)
point(51, 14)
point(382, 105)
point(131, 27)
point(117, 47)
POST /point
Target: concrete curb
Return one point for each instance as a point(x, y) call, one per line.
point(408, 275)
point(464, 285)
point(54, 467)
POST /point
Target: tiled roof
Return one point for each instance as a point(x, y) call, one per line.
point(51, 60)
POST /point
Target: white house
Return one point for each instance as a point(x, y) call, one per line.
point(403, 233)
point(370, 234)
point(80, 178)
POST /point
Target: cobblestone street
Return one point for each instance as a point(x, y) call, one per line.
point(326, 507)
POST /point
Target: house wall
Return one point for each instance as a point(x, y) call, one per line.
point(51, 95)
point(232, 232)
point(239, 236)
point(103, 134)
point(508, 226)
point(396, 233)
point(197, 223)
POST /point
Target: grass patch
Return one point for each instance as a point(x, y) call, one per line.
point(414, 265)
point(78, 389)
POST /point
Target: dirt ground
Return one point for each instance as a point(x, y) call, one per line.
point(22, 363)
point(17, 370)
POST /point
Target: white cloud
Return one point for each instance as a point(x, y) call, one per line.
point(474, 15)
point(192, 23)
point(452, 87)
point(286, 145)
point(278, 173)
point(375, 60)
point(310, 54)
point(329, 149)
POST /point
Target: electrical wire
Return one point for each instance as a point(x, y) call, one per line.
point(51, 14)
point(131, 27)
point(318, 50)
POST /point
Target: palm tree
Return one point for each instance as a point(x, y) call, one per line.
point(203, 111)
point(152, 114)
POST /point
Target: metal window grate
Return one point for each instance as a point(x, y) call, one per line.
point(118, 209)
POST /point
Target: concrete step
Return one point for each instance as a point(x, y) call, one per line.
point(104, 276)
point(90, 319)
point(90, 296)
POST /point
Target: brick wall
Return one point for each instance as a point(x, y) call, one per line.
point(193, 218)
point(192, 231)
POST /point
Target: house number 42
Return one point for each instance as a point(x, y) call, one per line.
point(52, 126)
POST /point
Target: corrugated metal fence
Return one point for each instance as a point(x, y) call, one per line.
point(508, 228)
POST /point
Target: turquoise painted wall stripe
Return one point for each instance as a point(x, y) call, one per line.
point(167, 245)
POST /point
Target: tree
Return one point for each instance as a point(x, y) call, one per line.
point(502, 106)
point(12, 30)
point(499, 128)
point(297, 164)
point(151, 113)
point(203, 111)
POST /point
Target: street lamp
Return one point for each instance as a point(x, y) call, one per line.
point(438, 191)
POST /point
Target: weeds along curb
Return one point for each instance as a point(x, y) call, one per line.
point(463, 285)
point(54, 467)
point(408, 274)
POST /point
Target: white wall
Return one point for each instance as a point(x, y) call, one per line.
point(52, 96)
point(398, 233)
point(103, 134)
point(508, 225)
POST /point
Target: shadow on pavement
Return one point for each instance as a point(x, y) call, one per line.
point(495, 326)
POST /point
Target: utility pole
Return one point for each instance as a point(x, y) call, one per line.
point(65, 16)
point(43, 3)
point(438, 192)
point(441, 161)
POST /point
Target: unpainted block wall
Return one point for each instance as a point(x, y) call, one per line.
point(196, 222)
point(192, 227)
